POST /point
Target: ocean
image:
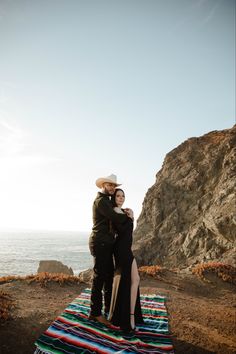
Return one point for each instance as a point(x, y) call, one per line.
point(21, 252)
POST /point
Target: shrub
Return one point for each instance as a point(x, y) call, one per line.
point(9, 278)
point(6, 304)
point(153, 270)
point(43, 278)
point(224, 271)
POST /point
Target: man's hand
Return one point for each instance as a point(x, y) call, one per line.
point(129, 213)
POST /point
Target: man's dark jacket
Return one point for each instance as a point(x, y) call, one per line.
point(103, 216)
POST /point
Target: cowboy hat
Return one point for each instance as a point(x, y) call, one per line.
point(108, 179)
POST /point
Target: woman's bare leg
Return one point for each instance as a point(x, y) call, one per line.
point(135, 279)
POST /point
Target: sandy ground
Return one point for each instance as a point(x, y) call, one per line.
point(202, 315)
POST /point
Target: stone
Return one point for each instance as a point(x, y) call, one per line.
point(188, 215)
point(52, 266)
point(86, 276)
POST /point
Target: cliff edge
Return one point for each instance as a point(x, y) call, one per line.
point(188, 215)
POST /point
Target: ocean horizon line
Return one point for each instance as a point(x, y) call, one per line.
point(42, 230)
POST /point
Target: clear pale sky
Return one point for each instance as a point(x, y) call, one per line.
point(94, 87)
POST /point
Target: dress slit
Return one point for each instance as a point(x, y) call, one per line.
point(119, 313)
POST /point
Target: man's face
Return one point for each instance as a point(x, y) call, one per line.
point(109, 188)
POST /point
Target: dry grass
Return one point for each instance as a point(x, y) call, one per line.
point(43, 278)
point(154, 270)
point(10, 278)
point(224, 271)
point(6, 304)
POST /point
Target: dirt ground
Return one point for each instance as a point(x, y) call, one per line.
point(201, 314)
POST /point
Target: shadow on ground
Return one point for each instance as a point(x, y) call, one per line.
point(181, 347)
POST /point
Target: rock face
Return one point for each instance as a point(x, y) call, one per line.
point(188, 215)
point(54, 267)
point(86, 276)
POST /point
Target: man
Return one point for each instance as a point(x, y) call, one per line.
point(101, 244)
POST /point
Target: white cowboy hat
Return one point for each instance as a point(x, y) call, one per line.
point(108, 179)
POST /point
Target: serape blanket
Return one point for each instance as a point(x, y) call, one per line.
point(73, 332)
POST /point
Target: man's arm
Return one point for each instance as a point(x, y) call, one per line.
point(106, 209)
point(129, 212)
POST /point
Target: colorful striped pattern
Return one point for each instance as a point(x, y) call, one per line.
point(72, 332)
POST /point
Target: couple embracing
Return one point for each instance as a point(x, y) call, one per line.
point(115, 276)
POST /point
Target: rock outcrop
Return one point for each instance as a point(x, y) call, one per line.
point(86, 276)
point(188, 215)
point(54, 267)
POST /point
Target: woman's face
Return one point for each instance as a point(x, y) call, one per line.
point(119, 198)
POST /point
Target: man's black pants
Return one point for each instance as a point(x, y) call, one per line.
point(102, 277)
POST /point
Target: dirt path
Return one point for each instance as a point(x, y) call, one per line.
point(202, 315)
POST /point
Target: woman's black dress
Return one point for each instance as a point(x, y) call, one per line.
point(120, 303)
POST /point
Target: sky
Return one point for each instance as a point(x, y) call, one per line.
point(90, 88)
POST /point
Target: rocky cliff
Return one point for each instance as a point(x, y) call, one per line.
point(188, 215)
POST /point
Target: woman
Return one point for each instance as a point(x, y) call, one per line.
point(125, 310)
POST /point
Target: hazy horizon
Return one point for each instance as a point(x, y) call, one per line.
point(28, 230)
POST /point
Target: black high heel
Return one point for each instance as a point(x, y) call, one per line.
point(129, 330)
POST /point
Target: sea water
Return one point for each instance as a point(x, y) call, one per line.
point(21, 252)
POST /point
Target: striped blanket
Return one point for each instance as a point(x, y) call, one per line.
point(73, 332)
